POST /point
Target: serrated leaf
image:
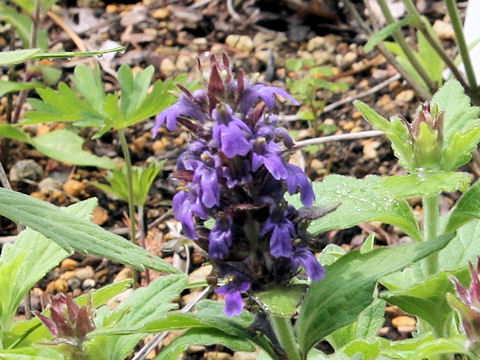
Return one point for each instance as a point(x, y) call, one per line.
point(70, 232)
point(423, 184)
point(348, 287)
point(134, 88)
point(396, 132)
point(361, 201)
point(17, 56)
point(39, 255)
point(466, 209)
point(89, 83)
point(66, 146)
point(143, 306)
point(426, 282)
point(386, 32)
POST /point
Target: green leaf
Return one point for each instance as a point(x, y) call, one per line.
point(386, 32)
point(89, 83)
point(203, 337)
point(369, 350)
point(143, 306)
point(70, 232)
point(466, 209)
point(348, 287)
point(66, 146)
point(396, 132)
point(39, 255)
point(14, 132)
point(423, 184)
point(31, 353)
point(429, 58)
point(134, 89)
point(50, 74)
point(17, 56)
point(293, 64)
point(281, 300)
point(21, 22)
point(361, 201)
point(13, 86)
point(425, 284)
point(368, 244)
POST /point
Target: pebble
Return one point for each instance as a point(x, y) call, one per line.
point(49, 184)
point(73, 187)
point(167, 67)
point(88, 284)
point(59, 285)
point(67, 275)
point(100, 215)
point(215, 355)
point(161, 14)
point(321, 57)
point(349, 58)
point(68, 264)
point(74, 283)
point(43, 129)
point(200, 274)
point(84, 273)
point(125, 273)
point(246, 355)
point(25, 169)
point(404, 323)
point(405, 96)
point(240, 42)
point(318, 42)
point(444, 30)
point(370, 148)
point(185, 62)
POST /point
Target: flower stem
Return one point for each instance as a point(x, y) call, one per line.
point(282, 327)
point(431, 215)
point(462, 44)
point(131, 205)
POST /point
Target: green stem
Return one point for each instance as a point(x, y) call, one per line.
point(283, 330)
point(131, 204)
point(407, 49)
point(431, 216)
point(425, 28)
point(462, 44)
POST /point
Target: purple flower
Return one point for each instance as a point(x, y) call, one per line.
point(186, 106)
point(254, 93)
point(313, 268)
point(185, 205)
point(233, 296)
point(229, 132)
point(208, 180)
point(268, 154)
point(220, 238)
point(297, 179)
point(282, 233)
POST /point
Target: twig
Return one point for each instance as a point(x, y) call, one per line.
point(348, 99)
point(340, 137)
point(155, 341)
point(4, 178)
point(231, 10)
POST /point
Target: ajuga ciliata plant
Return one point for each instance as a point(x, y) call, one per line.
point(235, 171)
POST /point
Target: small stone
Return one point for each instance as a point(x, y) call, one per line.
point(185, 62)
point(216, 355)
point(73, 187)
point(240, 42)
point(444, 30)
point(200, 274)
point(26, 169)
point(100, 215)
point(357, 115)
point(158, 147)
point(370, 148)
point(404, 323)
point(125, 273)
point(196, 349)
point(316, 43)
point(67, 275)
point(167, 67)
point(49, 184)
point(349, 58)
point(59, 285)
point(68, 264)
point(246, 355)
point(88, 284)
point(43, 129)
point(161, 14)
point(84, 273)
point(317, 166)
point(405, 96)
point(74, 283)
point(321, 57)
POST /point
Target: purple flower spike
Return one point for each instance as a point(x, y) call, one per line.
point(185, 205)
point(313, 268)
point(269, 156)
point(254, 93)
point(184, 107)
point(233, 296)
point(282, 232)
point(208, 179)
point(297, 179)
point(220, 238)
point(229, 133)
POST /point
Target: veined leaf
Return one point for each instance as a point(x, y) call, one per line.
point(466, 209)
point(348, 287)
point(70, 232)
point(17, 56)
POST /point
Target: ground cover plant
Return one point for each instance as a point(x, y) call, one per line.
point(257, 217)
